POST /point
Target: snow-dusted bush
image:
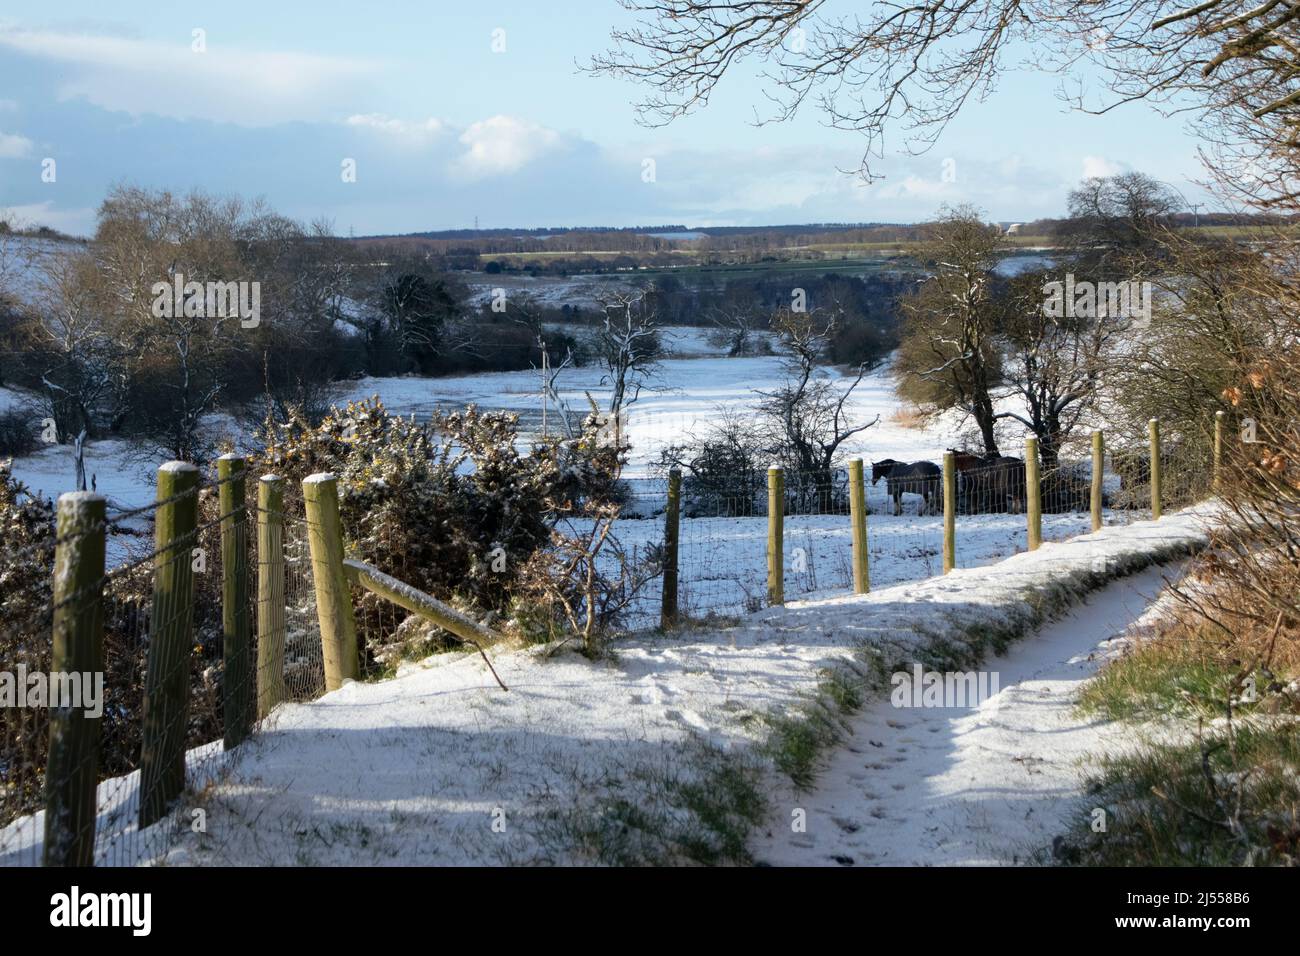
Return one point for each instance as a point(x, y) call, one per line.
point(26, 556)
point(456, 507)
point(16, 434)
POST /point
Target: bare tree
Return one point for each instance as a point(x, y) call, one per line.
point(737, 325)
point(1054, 365)
point(71, 342)
point(808, 417)
point(177, 364)
point(627, 345)
point(918, 64)
point(949, 356)
point(1117, 223)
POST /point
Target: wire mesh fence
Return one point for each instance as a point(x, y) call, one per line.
point(108, 768)
point(724, 527)
point(293, 667)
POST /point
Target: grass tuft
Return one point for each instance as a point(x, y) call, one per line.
point(1231, 798)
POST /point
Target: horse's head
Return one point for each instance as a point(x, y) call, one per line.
point(881, 469)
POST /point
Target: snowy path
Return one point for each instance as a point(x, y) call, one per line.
point(953, 786)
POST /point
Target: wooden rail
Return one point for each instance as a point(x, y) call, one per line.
point(459, 625)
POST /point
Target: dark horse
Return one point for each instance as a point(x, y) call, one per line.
point(918, 478)
point(990, 483)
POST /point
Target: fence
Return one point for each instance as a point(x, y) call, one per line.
point(160, 666)
point(736, 551)
point(161, 662)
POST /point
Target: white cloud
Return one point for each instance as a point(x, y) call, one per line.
point(1100, 167)
point(13, 146)
point(916, 187)
point(421, 129)
point(502, 144)
point(251, 88)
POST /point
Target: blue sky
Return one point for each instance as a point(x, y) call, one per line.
point(443, 129)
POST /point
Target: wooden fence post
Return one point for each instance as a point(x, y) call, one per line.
point(71, 770)
point(775, 535)
point(167, 676)
point(270, 593)
point(672, 531)
point(949, 511)
point(1218, 451)
point(858, 518)
point(237, 683)
point(1033, 493)
point(338, 629)
point(1098, 475)
point(1153, 429)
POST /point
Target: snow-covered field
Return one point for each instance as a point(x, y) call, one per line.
point(684, 399)
point(440, 766)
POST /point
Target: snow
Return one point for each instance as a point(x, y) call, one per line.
point(22, 259)
point(51, 470)
point(415, 769)
point(76, 499)
point(119, 840)
point(685, 397)
point(985, 785)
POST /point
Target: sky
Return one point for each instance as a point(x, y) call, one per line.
point(457, 113)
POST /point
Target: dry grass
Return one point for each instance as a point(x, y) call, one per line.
point(908, 416)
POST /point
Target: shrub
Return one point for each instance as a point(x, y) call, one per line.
point(454, 507)
point(26, 556)
point(722, 471)
point(17, 437)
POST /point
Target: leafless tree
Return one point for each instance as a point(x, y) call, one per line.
point(737, 324)
point(1054, 365)
point(1116, 224)
point(918, 64)
point(807, 416)
point(71, 341)
point(949, 357)
point(627, 345)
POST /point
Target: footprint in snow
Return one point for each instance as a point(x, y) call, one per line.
point(688, 718)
